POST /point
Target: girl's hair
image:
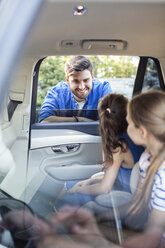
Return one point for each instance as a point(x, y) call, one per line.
point(112, 110)
point(148, 110)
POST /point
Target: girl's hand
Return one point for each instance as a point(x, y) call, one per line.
point(83, 183)
point(75, 188)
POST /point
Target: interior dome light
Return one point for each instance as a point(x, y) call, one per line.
point(79, 10)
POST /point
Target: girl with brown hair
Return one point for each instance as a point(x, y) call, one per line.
point(119, 151)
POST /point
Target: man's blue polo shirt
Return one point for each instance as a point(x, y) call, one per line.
point(60, 97)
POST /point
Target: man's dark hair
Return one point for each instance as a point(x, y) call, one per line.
point(77, 64)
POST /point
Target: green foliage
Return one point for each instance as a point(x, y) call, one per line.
point(151, 79)
point(52, 70)
point(113, 67)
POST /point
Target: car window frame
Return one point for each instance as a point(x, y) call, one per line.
point(139, 80)
point(88, 127)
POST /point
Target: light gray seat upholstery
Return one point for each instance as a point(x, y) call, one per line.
point(114, 197)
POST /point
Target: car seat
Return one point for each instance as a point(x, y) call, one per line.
point(114, 198)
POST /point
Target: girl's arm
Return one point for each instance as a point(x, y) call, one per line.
point(88, 181)
point(108, 215)
point(106, 183)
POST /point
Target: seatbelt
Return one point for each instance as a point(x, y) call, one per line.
point(11, 107)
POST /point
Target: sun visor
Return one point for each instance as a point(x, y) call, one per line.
point(17, 92)
point(17, 95)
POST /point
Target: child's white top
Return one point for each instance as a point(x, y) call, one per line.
point(158, 190)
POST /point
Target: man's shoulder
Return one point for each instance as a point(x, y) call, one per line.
point(61, 87)
point(97, 82)
point(101, 86)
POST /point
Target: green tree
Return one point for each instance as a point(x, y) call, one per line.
point(96, 64)
point(111, 67)
point(51, 72)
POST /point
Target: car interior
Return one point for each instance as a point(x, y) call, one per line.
point(38, 158)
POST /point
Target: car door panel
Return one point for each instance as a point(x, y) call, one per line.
point(51, 137)
point(50, 149)
point(72, 172)
point(57, 156)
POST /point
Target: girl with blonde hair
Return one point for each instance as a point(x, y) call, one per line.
point(146, 126)
point(146, 211)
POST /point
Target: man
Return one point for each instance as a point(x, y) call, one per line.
point(80, 92)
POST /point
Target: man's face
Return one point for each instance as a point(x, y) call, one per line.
point(80, 84)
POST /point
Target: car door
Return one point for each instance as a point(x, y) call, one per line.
point(61, 152)
point(57, 156)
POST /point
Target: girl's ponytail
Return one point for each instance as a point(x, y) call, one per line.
point(112, 111)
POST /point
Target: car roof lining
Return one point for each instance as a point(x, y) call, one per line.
point(139, 23)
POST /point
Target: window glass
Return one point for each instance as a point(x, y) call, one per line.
point(118, 71)
point(151, 79)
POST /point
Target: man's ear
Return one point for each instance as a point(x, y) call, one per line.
point(92, 75)
point(67, 79)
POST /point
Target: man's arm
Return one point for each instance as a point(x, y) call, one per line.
point(53, 118)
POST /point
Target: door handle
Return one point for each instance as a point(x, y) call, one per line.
point(65, 148)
